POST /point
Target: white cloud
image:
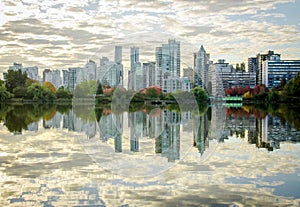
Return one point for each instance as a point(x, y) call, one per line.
point(143, 23)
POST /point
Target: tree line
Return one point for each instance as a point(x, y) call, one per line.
point(19, 86)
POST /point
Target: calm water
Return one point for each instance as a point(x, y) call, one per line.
point(147, 156)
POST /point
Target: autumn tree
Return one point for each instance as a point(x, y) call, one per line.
point(50, 86)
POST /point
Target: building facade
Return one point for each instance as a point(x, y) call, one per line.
point(201, 65)
point(260, 58)
point(167, 61)
point(273, 71)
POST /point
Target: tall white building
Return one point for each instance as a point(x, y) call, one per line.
point(201, 64)
point(167, 61)
point(149, 74)
point(32, 72)
point(134, 56)
point(56, 78)
point(135, 75)
point(118, 54)
point(73, 77)
point(110, 72)
point(90, 70)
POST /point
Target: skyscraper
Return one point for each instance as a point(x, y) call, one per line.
point(260, 58)
point(135, 75)
point(118, 54)
point(149, 74)
point(171, 57)
point(252, 64)
point(167, 60)
point(201, 64)
point(134, 56)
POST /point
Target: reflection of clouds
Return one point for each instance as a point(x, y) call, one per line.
point(51, 167)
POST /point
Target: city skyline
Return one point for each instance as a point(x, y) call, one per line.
point(61, 35)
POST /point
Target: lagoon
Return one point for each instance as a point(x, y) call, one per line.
point(81, 155)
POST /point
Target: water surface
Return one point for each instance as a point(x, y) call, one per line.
point(157, 156)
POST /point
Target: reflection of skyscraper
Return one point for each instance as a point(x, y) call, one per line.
point(198, 134)
point(168, 142)
point(136, 129)
point(111, 126)
point(156, 123)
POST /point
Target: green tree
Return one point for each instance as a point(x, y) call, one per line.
point(4, 94)
point(99, 89)
point(63, 93)
point(200, 94)
point(282, 83)
point(85, 89)
point(237, 66)
point(152, 93)
point(15, 79)
point(36, 92)
point(292, 88)
point(243, 67)
point(20, 92)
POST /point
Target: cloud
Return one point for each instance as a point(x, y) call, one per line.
point(75, 26)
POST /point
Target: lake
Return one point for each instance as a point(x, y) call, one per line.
point(81, 155)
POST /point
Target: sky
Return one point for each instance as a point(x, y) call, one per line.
point(60, 34)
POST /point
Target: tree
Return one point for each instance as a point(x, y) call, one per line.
point(247, 95)
point(4, 94)
point(63, 93)
point(292, 88)
point(282, 83)
point(40, 93)
point(15, 79)
point(243, 67)
point(50, 86)
point(20, 92)
point(99, 89)
point(152, 93)
point(200, 94)
point(237, 66)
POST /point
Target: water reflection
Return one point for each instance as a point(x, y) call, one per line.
point(161, 124)
point(49, 161)
point(259, 128)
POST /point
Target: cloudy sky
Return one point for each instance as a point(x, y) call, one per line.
point(60, 34)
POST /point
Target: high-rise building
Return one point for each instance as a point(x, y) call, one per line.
point(73, 76)
point(273, 71)
point(135, 75)
point(16, 66)
point(171, 57)
point(56, 78)
point(201, 65)
point(134, 57)
point(252, 64)
point(47, 75)
point(111, 73)
point(149, 74)
point(189, 73)
point(118, 54)
point(222, 75)
point(32, 72)
point(167, 61)
point(65, 78)
point(260, 58)
point(90, 70)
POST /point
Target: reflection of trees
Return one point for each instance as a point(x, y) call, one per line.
point(246, 111)
point(18, 117)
